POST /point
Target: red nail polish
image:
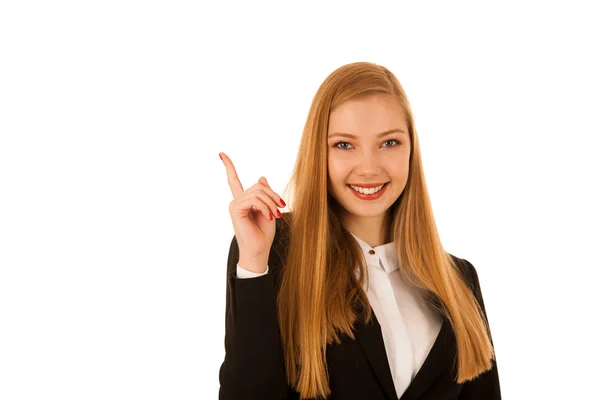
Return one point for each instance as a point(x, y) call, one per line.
point(282, 202)
point(270, 216)
point(278, 213)
point(220, 157)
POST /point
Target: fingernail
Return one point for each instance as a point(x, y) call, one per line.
point(282, 202)
point(271, 216)
point(278, 213)
point(220, 157)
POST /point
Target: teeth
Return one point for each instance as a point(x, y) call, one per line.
point(367, 191)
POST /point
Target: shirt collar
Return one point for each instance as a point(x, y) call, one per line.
point(384, 256)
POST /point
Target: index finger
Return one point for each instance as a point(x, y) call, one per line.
point(232, 178)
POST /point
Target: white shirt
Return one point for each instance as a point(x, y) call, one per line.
point(409, 328)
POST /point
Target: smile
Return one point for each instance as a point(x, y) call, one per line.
point(368, 194)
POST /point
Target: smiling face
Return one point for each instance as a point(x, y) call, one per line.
point(368, 143)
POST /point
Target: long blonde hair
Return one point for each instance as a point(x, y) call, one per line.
point(318, 287)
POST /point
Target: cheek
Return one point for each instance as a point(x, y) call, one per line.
point(399, 173)
point(399, 166)
point(338, 173)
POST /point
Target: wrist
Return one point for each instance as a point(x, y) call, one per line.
point(256, 266)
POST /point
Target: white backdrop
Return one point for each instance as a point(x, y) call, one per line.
point(114, 222)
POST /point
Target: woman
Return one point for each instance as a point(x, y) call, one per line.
point(351, 294)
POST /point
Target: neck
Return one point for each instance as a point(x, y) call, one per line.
point(372, 230)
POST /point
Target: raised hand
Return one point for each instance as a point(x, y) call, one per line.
point(253, 212)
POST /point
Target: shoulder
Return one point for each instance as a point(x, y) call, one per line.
point(471, 278)
point(281, 242)
point(467, 271)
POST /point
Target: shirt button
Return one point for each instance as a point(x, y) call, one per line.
point(371, 251)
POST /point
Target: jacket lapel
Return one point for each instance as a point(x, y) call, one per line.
point(370, 339)
point(440, 357)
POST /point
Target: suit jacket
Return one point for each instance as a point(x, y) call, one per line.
point(253, 367)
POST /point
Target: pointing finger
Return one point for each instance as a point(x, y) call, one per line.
point(232, 178)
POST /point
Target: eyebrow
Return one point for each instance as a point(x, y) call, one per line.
point(382, 134)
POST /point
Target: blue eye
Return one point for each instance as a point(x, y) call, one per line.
point(393, 140)
point(336, 145)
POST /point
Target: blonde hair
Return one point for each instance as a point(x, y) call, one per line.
point(318, 288)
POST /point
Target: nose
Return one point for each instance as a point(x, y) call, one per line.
point(368, 164)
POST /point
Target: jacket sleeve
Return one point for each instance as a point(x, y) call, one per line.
point(253, 366)
point(487, 385)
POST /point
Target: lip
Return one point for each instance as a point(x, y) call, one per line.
point(368, 196)
point(368, 185)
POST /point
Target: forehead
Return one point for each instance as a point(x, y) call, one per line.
point(366, 115)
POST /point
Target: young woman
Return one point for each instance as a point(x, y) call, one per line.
point(351, 295)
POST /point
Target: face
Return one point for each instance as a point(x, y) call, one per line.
point(368, 144)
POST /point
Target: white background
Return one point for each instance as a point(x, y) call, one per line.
point(114, 222)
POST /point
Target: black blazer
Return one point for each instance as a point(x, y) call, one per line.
point(358, 369)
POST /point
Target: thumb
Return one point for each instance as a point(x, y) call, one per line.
point(263, 180)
